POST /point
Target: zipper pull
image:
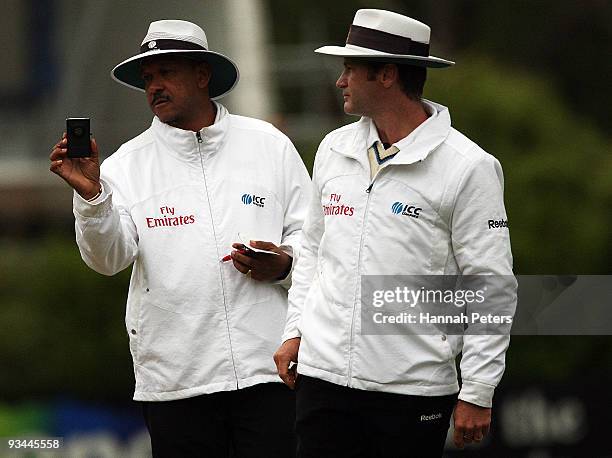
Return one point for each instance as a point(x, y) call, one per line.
point(369, 188)
point(199, 137)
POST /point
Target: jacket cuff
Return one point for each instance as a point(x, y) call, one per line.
point(98, 207)
point(477, 393)
point(286, 282)
point(291, 334)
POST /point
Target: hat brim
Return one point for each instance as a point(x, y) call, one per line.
point(372, 54)
point(225, 74)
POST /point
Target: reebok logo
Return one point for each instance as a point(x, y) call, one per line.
point(248, 199)
point(494, 224)
point(433, 416)
point(399, 208)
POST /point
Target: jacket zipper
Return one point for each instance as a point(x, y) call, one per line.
point(229, 336)
point(365, 221)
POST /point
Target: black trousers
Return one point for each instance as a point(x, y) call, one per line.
point(341, 422)
point(251, 422)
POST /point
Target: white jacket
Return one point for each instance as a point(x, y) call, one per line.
point(173, 203)
point(459, 188)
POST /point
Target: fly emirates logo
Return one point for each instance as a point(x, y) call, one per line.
point(169, 219)
point(334, 207)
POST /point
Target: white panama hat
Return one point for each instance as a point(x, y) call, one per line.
point(181, 38)
point(387, 36)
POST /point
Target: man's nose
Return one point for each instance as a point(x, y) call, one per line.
point(154, 85)
point(341, 82)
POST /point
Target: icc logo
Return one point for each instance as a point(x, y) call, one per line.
point(406, 210)
point(248, 199)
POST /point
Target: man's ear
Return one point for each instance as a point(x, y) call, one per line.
point(204, 74)
point(388, 75)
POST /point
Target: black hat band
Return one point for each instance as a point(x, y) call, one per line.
point(385, 42)
point(171, 44)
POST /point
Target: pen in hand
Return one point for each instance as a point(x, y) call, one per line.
point(228, 257)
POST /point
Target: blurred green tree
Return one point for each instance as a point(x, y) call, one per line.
point(558, 184)
point(62, 324)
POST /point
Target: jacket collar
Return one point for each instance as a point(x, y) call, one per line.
point(185, 142)
point(413, 148)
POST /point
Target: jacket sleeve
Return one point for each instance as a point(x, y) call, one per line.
point(296, 188)
point(105, 232)
point(305, 268)
point(482, 247)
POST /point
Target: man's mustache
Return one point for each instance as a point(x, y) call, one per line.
point(159, 97)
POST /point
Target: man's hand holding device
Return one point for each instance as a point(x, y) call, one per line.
point(75, 158)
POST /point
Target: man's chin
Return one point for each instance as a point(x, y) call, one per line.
point(348, 109)
point(165, 117)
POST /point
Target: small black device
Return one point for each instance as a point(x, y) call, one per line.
point(78, 133)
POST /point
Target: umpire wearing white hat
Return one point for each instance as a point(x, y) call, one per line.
point(171, 202)
point(399, 192)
